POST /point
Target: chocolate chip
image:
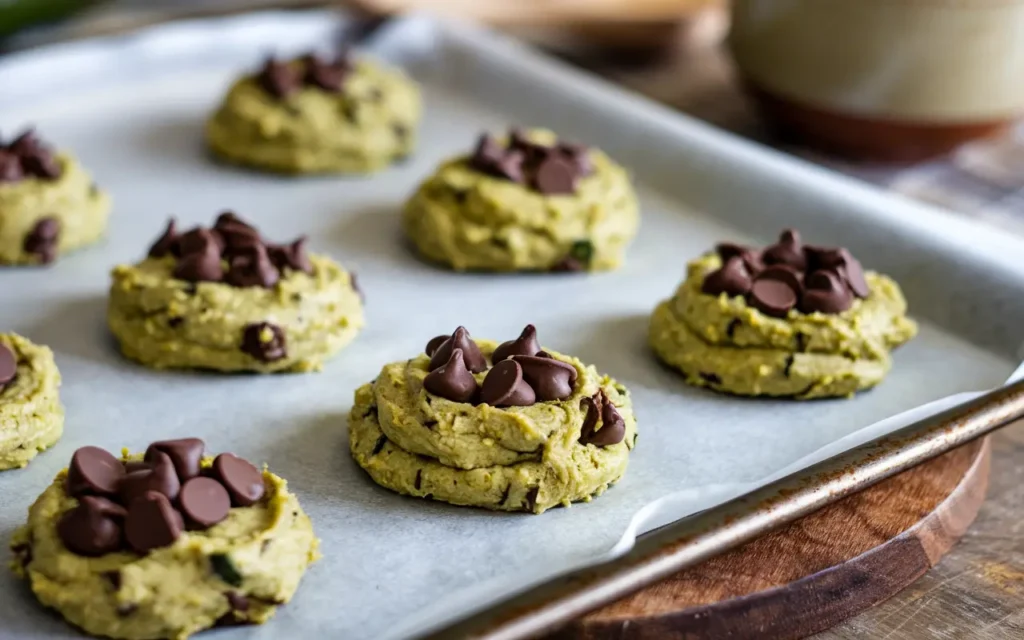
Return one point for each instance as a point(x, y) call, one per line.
point(419, 479)
point(434, 343)
point(237, 234)
point(534, 153)
point(94, 471)
point(243, 481)
point(224, 567)
point(613, 427)
point(10, 167)
point(252, 268)
point(43, 240)
point(550, 379)
point(279, 79)
point(775, 291)
point(136, 465)
point(452, 380)
point(198, 240)
point(732, 279)
point(504, 494)
point(8, 365)
point(329, 76)
point(204, 502)
point(525, 345)
point(292, 256)
point(184, 453)
point(853, 273)
point(487, 154)
point(152, 522)
point(825, 293)
point(579, 154)
point(790, 360)
point(166, 242)
point(751, 257)
point(40, 163)
point(788, 250)
point(160, 478)
point(504, 386)
point(460, 339)
point(204, 266)
point(175, 321)
point(710, 378)
point(379, 445)
point(237, 601)
point(264, 341)
point(556, 175)
point(93, 528)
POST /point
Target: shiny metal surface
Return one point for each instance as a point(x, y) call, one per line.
point(699, 537)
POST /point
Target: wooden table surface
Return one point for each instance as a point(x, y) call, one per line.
point(977, 590)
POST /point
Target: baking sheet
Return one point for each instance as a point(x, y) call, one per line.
point(133, 108)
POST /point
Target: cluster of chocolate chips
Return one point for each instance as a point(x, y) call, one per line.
point(27, 157)
point(8, 366)
point(613, 427)
point(522, 374)
point(282, 78)
point(144, 505)
point(789, 275)
point(251, 261)
point(554, 170)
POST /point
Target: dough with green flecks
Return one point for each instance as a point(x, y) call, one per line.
point(163, 322)
point(72, 200)
point(31, 415)
point(364, 128)
point(469, 220)
point(723, 343)
point(508, 459)
point(260, 552)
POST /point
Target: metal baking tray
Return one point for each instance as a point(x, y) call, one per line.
point(132, 108)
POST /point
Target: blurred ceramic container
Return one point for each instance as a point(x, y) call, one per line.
point(896, 80)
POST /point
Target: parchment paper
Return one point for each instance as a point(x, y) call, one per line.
point(133, 111)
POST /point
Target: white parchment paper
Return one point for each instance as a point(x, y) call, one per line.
point(133, 111)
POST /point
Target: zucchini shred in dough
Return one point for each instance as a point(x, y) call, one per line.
point(723, 343)
point(466, 219)
point(520, 458)
point(258, 553)
point(31, 415)
point(368, 122)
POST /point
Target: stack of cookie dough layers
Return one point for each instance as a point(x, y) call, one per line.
point(525, 458)
point(723, 343)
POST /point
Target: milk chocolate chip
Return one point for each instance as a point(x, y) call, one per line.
point(452, 380)
point(525, 345)
point(504, 386)
point(475, 360)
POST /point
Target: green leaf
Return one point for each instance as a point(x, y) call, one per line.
point(582, 250)
point(226, 569)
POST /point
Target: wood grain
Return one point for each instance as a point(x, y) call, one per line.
point(812, 574)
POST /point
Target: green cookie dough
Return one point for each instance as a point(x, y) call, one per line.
point(511, 459)
point(723, 343)
point(164, 322)
point(259, 552)
point(72, 200)
point(364, 128)
point(468, 220)
point(31, 416)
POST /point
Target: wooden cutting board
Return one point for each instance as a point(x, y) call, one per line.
point(811, 575)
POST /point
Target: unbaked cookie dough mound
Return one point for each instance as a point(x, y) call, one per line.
point(49, 205)
point(165, 544)
point(791, 320)
point(223, 298)
point(508, 427)
point(311, 115)
point(31, 416)
point(527, 203)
